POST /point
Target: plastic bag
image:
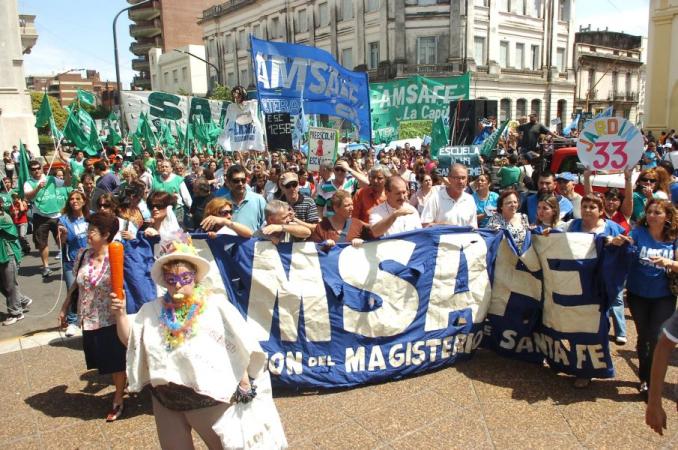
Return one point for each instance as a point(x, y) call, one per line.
point(253, 425)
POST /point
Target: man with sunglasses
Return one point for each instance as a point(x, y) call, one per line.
point(48, 196)
point(248, 206)
point(305, 210)
point(341, 181)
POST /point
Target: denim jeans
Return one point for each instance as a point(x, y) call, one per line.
point(617, 314)
point(649, 314)
point(69, 278)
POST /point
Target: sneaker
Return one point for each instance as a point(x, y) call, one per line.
point(46, 271)
point(27, 304)
point(11, 320)
point(71, 330)
point(620, 340)
point(58, 256)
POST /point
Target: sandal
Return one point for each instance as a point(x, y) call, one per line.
point(115, 413)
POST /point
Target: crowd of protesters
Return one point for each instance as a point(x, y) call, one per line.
point(364, 195)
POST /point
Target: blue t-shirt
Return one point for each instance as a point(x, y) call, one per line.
point(75, 240)
point(487, 206)
point(649, 160)
point(611, 228)
point(530, 208)
point(251, 211)
point(645, 279)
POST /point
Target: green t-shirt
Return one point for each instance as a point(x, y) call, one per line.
point(151, 165)
point(77, 169)
point(7, 198)
point(508, 176)
point(9, 240)
point(51, 198)
point(172, 186)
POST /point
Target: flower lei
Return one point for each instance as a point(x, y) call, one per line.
point(178, 320)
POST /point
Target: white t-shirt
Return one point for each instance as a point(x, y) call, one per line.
point(440, 207)
point(403, 223)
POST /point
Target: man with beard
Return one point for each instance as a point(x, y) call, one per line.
point(546, 184)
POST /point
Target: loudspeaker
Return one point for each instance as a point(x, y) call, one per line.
point(465, 118)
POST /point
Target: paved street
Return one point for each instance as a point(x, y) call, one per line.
point(50, 401)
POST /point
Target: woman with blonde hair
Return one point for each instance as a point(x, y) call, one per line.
point(218, 219)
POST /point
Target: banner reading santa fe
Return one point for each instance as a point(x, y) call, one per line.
point(322, 147)
point(166, 106)
point(610, 143)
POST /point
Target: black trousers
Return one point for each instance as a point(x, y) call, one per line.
point(648, 314)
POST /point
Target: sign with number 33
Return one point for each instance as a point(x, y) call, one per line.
point(610, 143)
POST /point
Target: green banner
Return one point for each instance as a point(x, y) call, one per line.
point(414, 98)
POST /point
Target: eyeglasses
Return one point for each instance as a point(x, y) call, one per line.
point(646, 180)
point(33, 169)
point(291, 185)
point(183, 278)
point(158, 207)
point(238, 180)
point(225, 212)
point(104, 205)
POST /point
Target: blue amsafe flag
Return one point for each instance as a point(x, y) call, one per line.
point(292, 76)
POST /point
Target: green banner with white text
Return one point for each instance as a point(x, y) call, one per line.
point(414, 98)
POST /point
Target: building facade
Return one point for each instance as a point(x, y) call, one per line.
point(178, 72)
point(18, 35)
point(64, 87)
point(164, 24)
point(608, 68)
point(519, 52)
point(661, 95)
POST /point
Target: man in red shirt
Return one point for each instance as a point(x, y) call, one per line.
point(370, 196)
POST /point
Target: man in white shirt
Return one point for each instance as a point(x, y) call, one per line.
point(451, 205)
point(395, 215)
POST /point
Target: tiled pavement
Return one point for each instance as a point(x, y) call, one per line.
point(49, 400)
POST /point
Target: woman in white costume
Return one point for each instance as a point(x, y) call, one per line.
point(203, 365)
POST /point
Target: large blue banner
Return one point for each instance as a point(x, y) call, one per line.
point(421, 300)
point(292, 77)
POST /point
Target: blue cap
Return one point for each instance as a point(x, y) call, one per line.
point(674, 193)
point(568, 176)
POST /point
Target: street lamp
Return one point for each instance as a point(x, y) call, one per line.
point(216, 69)
point(117, 64)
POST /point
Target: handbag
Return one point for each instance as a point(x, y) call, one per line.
point(671, 275)
point(72, 295)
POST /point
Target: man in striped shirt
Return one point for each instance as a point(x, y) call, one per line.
point(305, 210)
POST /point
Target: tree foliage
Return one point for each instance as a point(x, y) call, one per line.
point(59, 113)
point(221, 93)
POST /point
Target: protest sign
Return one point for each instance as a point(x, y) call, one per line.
point(420, 300)
point(610, 143)
point(468, 156)
point(322, 147)
point(279, 131)
point(414, 98)
point(288, 74)
point(242, 128)
point(165, 106)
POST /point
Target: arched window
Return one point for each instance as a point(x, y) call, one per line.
point(521, 108)
point(535, 108)
point(504, 109)
point(562, 109)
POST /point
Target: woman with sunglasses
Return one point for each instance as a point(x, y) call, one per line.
point(646, 186)
point(163, 221)
point(103, 350)
point(197, 355)
point(218, 219)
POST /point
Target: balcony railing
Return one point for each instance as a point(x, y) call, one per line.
point(224, 8)
point(145, 12)
point(142, 82)
point(145, 29)
point(618, 96)
point(428, 68)
point(140, 64)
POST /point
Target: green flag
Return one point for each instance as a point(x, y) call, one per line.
point(440, 135)
point(166, 137)
point(44, 113)
point(86, 97)
point(113, 137)
point(56, 132)
point(137, 148)
point(492, 140)
point(23, 173)
point(145, 132)
point(181, 138)
point(81, 130)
